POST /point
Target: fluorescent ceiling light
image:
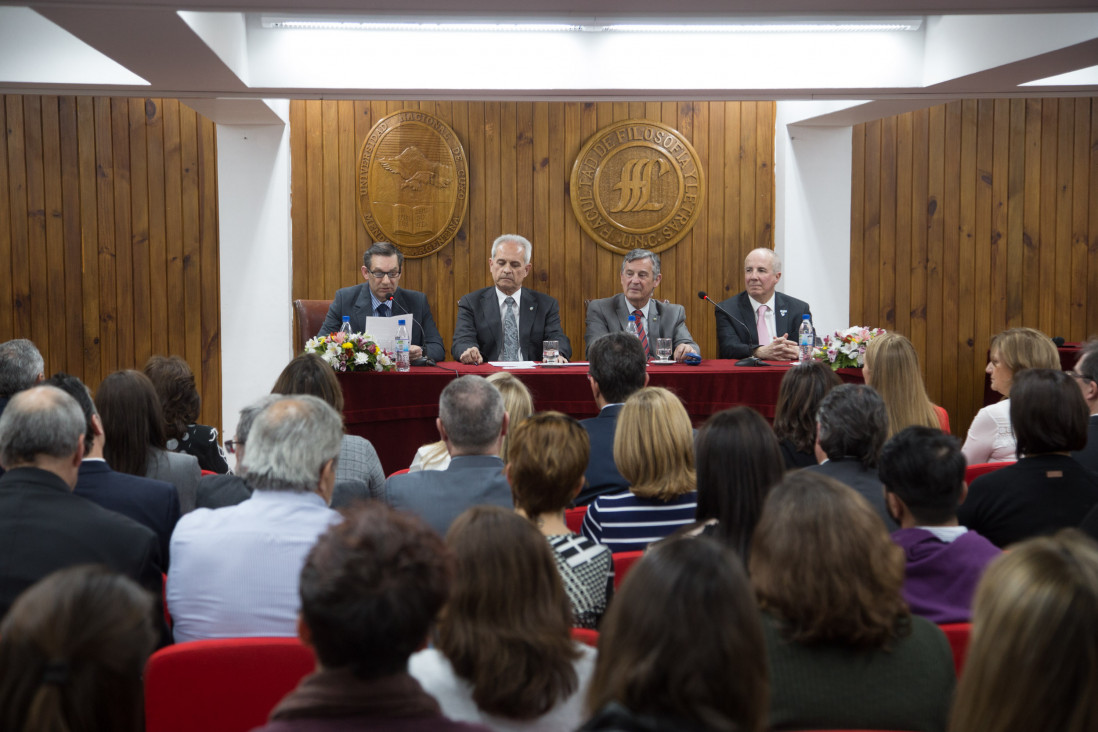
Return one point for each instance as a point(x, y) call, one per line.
point(592, 24)
point(798, 27)
point(420, 27)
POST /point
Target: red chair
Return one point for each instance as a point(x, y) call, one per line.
point(402, 471)
point(574, 518)
point(958, 635)
point(622, 562)
point(972, 472)
point(224, 685)
point(586, 635)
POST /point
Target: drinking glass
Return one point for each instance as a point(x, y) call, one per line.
point(549, 351)
point(663, 349)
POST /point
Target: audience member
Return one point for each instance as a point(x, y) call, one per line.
point(1086, 375)
point(616, 370)
point(370, 589)
point(133, 433)
point(892, 368)
point(990, 437)
point(219, 491)
point(853, 423)
point(235, 570)
point(472, 423)
point(828, 581)
point(358, 471)
point(152, 503)
point(1033, 663)
point(923, 472)
point(545, 467)
point(21, 367)
point(1046, 489)
point(654, 449)
point(180, 402)
point(72, 650)
point(504, 654)
point(802, 389)
point(681, 647)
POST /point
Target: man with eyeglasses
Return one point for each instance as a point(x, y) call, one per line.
point(1086, 376)
point(379, 296)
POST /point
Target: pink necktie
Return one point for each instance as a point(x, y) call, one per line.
point(760, 324)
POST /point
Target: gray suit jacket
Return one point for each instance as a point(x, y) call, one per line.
point(479, 324)
point(355, 302)
point(179, 469)
point(738, 340)
point(851, 472)
point(440, 496)
point(610, 314)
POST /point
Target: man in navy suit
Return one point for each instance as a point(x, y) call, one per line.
point(768, 320)
point(484, 315)
point(382, 265)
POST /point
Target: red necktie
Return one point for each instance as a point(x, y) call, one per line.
point(639, 317)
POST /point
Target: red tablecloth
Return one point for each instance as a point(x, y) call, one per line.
point(396, 412)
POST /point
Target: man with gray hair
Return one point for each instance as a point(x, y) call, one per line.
point(508, 322)
point(219, 491)
point(235, 570)
point(472, 422)
point(640, 275)
point(44, 526)
point(760, 322)
point(21, 367)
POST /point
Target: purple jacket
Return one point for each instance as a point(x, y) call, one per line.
point(941, 577)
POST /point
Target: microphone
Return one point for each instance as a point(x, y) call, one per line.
point(750, 360)
point(424, 361)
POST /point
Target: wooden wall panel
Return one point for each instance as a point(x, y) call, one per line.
point(996, 226)
point(108, 236)
point(520, 160)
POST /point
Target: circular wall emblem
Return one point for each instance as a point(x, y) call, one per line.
point(637, 184)
point(413, 182)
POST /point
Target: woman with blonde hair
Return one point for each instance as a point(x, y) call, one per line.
point(991, 437)
point(654, 451)
point(892, 368)
point(1033, 658)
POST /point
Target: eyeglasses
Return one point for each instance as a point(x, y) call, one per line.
point(1076, 375)
point(232, 445)
point(394, 276)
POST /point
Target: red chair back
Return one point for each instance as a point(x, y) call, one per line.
point(972, 472)
point(958, 635)
point(586, 635)
point(402, 471)
point(574, 518)
point(224, 685)
point(622, 563)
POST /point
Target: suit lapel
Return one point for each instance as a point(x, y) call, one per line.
point(655, 317)
point(528, 311)
point(494, 323)
point(362, 309)
point(748, 316)
point(782, 321)
point(622, 309)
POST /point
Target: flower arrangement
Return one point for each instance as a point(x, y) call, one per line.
point(354, 352)
point(846, 349)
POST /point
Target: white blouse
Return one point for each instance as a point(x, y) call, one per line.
point(990, 438)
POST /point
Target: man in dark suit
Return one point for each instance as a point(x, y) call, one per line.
point(43, 525)
point(640, 275)
point(616, 370)
point(508, 322)
point(382, 265)
point(472, 422)
point(769, 321)
point(1086, 375)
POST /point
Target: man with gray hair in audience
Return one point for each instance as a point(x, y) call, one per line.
point(472, 423)
point(21, 367)
point(235, 570)
point(218, 491)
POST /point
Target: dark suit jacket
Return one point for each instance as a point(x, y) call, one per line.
point(439, 496)
point(602, 474)
point(738, 340)
point(851, 472)
point(149, 502)
point(479, 324)
point(356, 302)
point(610, 314)
point(1088, 456)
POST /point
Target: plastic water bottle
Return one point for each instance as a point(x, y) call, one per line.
point(345, 329)
point(806, 339)
point(631, 326)
point(402, 360)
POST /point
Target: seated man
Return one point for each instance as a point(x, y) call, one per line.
point(382, 265)
point(21, 367)
point(763, 323)
point(640, 275)
point(218, 491)
point(923, 472)
point(507, 322)
point(370, 590)
point(234, 570)
point(472, 422)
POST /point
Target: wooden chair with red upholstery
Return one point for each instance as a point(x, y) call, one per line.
point(958, 635)
point(623, 561)
point(587, 636)
point(573, 518)
point(972, 472)
point(308, 317)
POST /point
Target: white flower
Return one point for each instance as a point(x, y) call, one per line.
point(362, 357)
point(312, 343)
point(330, 358)
point(383, 359)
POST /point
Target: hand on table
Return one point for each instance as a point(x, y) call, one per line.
point(472, 355)
point(682, 350)
point(779, 349)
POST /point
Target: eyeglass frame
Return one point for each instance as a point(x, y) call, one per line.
point(393, 276)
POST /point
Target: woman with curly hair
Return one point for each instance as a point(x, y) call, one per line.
point(802, 389)
point(179, 399)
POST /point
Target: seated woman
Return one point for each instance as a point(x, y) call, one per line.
point(654, 451)
point(358, 471)
point(1046, 489)
point(990, 437)
point(179, 399)
point(681, 647)
point(72, 651)
point(1034, 612)
point(503, 654)
point(802, 389)
point(844, 651)
point(545, 466)
point(892, 368)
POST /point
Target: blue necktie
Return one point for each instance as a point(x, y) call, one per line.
point(383, 310)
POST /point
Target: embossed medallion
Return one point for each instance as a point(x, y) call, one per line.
point(637, 184)
point(413, 182)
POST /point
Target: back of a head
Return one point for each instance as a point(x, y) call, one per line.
point(652, 657)
point(618, 365)
point(1047, 412)
point(654, 445)
point(893, 369)
point(1025, 348)
point(20, 366)
point(371, 587)
point(853, 424)
point(925, 468)
point(507, 610)
point(72, 649)
point(1033, 658)
point(244, 428)
point(75, 388)
point(180, 403)
point(518, 402)
point(1087, 365)
point(823, 563)
point(802, 389)
point(290, 442)
point(41, 421)
point(309, 374)
point(546, 460)
point(471, 412)
point(132, 420)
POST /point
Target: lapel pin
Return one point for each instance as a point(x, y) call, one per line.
point(783, 312)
